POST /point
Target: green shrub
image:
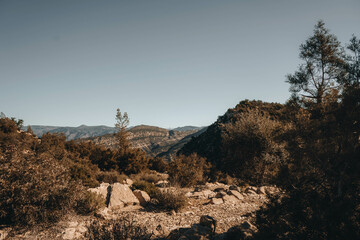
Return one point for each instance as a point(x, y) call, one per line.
point(252, 147)
point(188, 170)
point(171, 199)
point(116, 229)
point(147, 176)
point(83, 172)
point(89, 202)
point(150, 188)
point(35, 189)
point(111, 177)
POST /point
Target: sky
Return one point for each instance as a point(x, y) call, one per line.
point(167, 63)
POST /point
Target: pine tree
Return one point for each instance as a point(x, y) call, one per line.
point(323, 66)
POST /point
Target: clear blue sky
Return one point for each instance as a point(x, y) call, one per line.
point(167, 63)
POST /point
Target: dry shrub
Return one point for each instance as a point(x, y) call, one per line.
point(85, 173)
point(35, 190)
point(171, 199)
point(188, 170)
point(150, 188)
point(252, 147)
point(111, 177)
point(116, 229)
point(148, 176)
point(89, 202)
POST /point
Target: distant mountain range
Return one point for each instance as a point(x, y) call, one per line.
point(73, 133)
point(187, 128)
point(155, 141)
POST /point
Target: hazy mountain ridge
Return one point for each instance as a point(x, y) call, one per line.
point(153, 140)
point(73, 133)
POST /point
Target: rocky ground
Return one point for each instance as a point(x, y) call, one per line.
point(228, 205)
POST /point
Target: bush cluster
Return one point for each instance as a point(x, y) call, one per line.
point(188, 170)
point(170, 199)
point(252, 147)
point(35, 189)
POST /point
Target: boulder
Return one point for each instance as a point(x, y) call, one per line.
point(216, 201)
point(236, 194)
point(121, 195)
point(142, 196)
point(104, 190)
point(128, 181)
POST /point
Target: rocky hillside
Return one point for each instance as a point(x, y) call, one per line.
point(153, 140)
point(209, 143)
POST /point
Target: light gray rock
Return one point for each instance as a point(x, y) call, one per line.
point(4, 233)
point(104, 190)
point(121, 195)
point(128, 181)
point(217, 201)
point(261, 190)
point(142, 196)
point(208, 193)
point(230, 198)
point(236, 194)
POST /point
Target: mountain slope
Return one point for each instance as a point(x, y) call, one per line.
point(209, 143)
point(153, 140)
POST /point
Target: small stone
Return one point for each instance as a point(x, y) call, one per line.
point(236, 194)
point(217, 201)
point(230, 198)
point(128, 181)
point(142, 196)
point(208, 193)
point(261, 190)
